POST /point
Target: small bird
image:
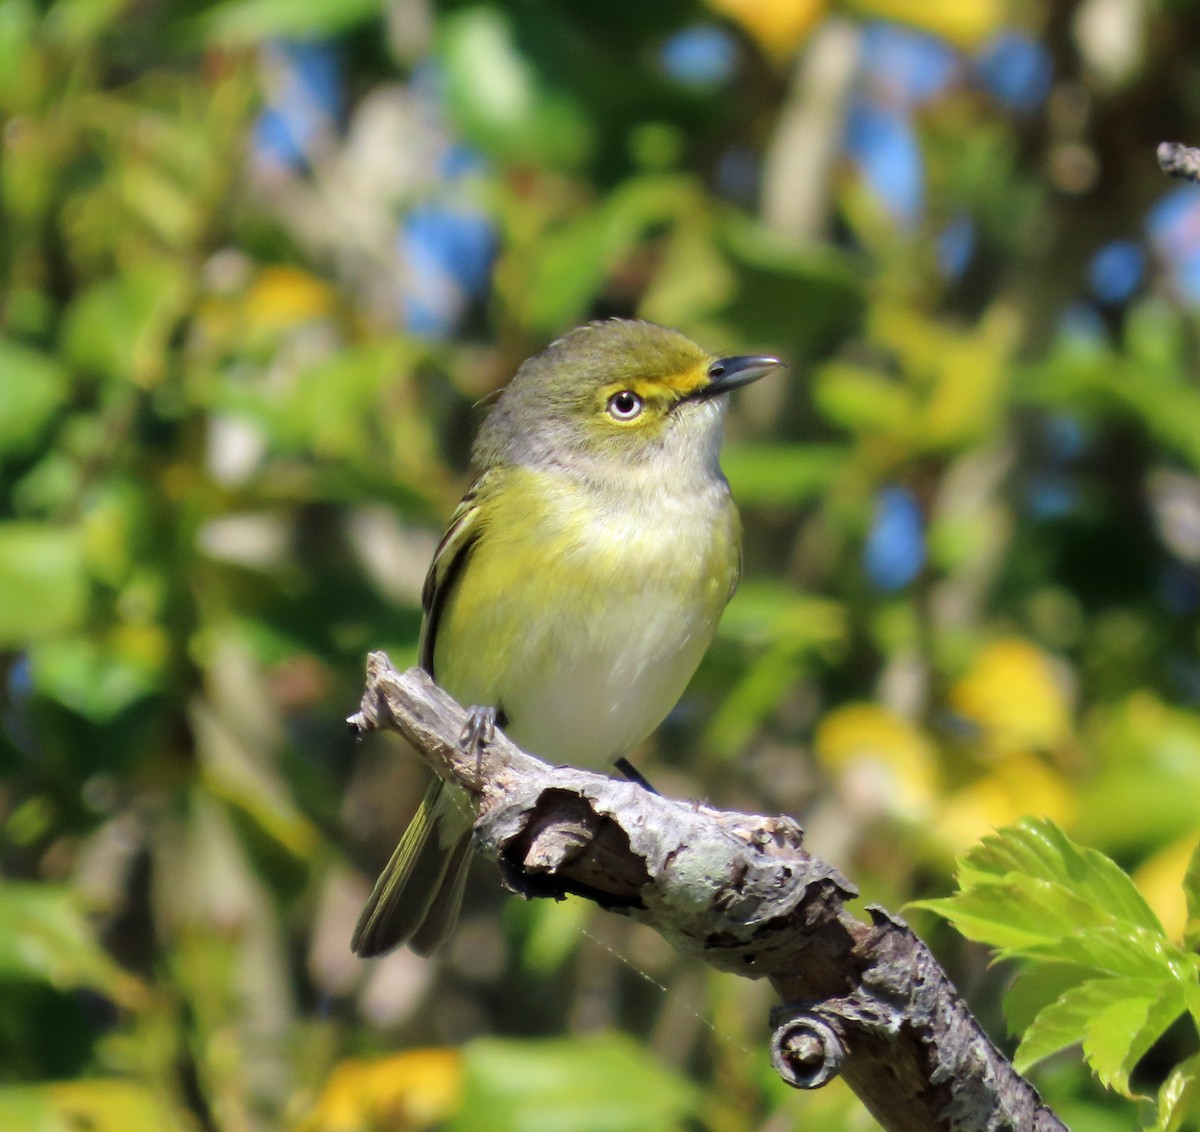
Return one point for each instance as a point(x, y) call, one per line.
point(579, 583)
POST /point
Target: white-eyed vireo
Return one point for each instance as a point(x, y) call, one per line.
point(580, 581)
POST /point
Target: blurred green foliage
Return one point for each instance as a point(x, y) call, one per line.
point(259, 263)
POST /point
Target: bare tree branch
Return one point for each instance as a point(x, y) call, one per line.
point(741, 893)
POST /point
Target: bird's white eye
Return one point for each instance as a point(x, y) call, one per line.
point(624, 406)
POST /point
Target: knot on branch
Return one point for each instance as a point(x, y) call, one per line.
point(806, 1051)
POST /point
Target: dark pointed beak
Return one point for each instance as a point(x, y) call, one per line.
point(726, 374)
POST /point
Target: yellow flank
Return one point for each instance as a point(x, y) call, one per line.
point(588, 654)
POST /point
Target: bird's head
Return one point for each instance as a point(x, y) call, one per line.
point(618, 390)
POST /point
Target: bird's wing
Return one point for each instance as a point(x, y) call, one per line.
point(447, 566)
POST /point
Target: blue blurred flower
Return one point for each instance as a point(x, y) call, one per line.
point(1185, 676)
point(895, 548)
point(304, 101)
point(15, 718)
point(702, 55)
point(448, 251)
point(1116, 270)
point(907, 66)
point(1065, 437)
point(1178, 589)
point(955, 246)
point(1016, 69)
point(737, 175)
point(1051, 497)
point(1174, 226)
point(427, 82)
point(461, 160)
point(884, 145)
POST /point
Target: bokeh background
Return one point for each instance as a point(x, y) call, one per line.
point(261, 260)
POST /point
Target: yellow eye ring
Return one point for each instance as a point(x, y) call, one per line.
point(625, 405)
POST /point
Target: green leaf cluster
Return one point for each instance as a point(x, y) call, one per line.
point(1096, 966)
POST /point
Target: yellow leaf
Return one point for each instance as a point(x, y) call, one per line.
point(965, 23)
point(1015, 694)
point(1017, 787)
point(971, 376)
point(780, 26)
point(1160, 881)
point(404, 1092)
point(961, 374)
point(881, 754)
point(111, 1106)
point(283, 296)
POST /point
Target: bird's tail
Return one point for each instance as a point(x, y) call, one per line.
point(418, 895)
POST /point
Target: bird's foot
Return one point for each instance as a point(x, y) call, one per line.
point(477, 733)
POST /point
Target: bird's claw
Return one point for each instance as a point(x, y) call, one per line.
point(477, 733)
point(479, 730)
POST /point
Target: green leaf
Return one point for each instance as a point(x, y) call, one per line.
point(571, 269)
point(1032, 893)
point(781, 474)
point(1117, 1020)
point(552, 930)
point(694, 279)
point(1036, 987)
point(1119, 1035)
point(603, 1083)
point(45, 938)
point(1037, 848)
point(575, 260)
point(1112, 950)
point(32, 391)
point(1083, 1113)
point(1154, 334)
point(29, 1108)
point(501, 101)
point(333, 400)
point(1149, 790)
point(757, 693)
point(1179, 1096)
point(784, 631)
point(43, 586)
point(236, 771)
point(77, 22)
point(1014, 915)
point(861, 400)
point(97, 1105)
point(97, 678)
point(797, 298)
point(18, 59)
point(1060, 1025)
point(251, 21)
point(119, 327)
point(763, 613)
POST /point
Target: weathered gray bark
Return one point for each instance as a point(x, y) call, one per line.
point(738, 892)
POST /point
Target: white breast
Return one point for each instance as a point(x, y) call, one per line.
point(605, 672)
point(600, 701)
